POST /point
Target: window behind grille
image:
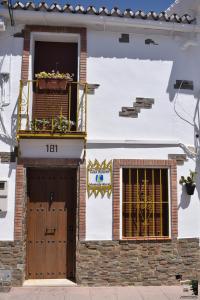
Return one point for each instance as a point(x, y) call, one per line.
point(145, 207)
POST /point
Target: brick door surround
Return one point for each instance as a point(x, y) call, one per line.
point(20, 206)
point(138, 163)
point(21, 198)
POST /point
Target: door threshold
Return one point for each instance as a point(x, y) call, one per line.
point(49, 282)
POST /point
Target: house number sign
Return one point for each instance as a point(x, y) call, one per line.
point(51, 148)
point(99, 178)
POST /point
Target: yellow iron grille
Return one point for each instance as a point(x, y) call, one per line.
point(145, 205)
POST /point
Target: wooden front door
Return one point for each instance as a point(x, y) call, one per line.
point(51, 222)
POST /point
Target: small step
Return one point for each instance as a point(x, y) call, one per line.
point(48, 282)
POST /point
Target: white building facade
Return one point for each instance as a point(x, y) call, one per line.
point(89, 172)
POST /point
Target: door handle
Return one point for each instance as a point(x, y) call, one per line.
point(51, 199)
point(50, 231)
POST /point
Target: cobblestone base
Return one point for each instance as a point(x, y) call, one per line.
point(11, 264)
point(137, 263)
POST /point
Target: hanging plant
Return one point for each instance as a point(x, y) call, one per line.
point(189, 182)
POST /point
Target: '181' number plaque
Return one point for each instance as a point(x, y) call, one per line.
point(52, 148)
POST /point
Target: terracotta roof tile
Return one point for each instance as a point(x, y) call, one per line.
point(91, 10)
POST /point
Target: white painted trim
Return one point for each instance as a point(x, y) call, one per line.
point(172, 143)
point(121, 208)
point(49, 37)
point(100, 22)
point(169, 202)
point(52, 37)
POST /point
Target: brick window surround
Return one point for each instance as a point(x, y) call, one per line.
point(20, 204)
point(76, 30)
point(138, 163)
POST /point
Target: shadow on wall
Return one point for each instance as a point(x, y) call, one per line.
point(198, 175)
point(174, 49)
point(185, 199)
point(181, 55)
point(197, 144)
point(9, 50)
point(195, 156)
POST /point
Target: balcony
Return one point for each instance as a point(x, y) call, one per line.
point(52, 113)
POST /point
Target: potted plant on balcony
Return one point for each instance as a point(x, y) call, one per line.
point(53, 80)
point(189, 182)
point(39, 124)
point(62, 124)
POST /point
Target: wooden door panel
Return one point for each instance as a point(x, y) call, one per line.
point(62, 57)
point(51, 213)
point(36, 221)
point(71, 188)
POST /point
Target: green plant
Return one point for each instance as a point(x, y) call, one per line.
point(54, 75)
point(58, 124)
point(194, 287)
point(38, 124)
point(62, 124)
point(189, 179)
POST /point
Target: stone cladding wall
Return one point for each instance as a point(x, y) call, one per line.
point(12, 264)
point(109, 263)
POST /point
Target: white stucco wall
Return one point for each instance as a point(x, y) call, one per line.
point(7, 172)
point(124, 72)
point(99, 210)
point(127, 71)
point(10, 62)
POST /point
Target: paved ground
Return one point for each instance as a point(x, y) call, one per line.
point(94, 293)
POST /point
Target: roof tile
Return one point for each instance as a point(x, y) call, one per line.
point(91, 10)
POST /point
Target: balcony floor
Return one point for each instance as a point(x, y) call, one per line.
point(51, 135)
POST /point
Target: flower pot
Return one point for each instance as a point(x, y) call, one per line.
point(190, 188)
point(55, 84)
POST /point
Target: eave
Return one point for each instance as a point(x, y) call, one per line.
point(44, 18)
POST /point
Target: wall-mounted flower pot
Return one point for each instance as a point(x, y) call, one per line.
point(55, 84)
point(190, 188)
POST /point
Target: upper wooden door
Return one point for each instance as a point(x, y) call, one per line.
point(62, 57)
point(51, 223)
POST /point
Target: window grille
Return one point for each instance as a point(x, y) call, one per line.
point(145, 204)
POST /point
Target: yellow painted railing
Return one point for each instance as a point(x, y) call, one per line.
point(72, 123)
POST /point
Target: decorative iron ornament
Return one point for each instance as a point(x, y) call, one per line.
point(99, 178)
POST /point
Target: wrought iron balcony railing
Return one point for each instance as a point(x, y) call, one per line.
point(52, 112)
